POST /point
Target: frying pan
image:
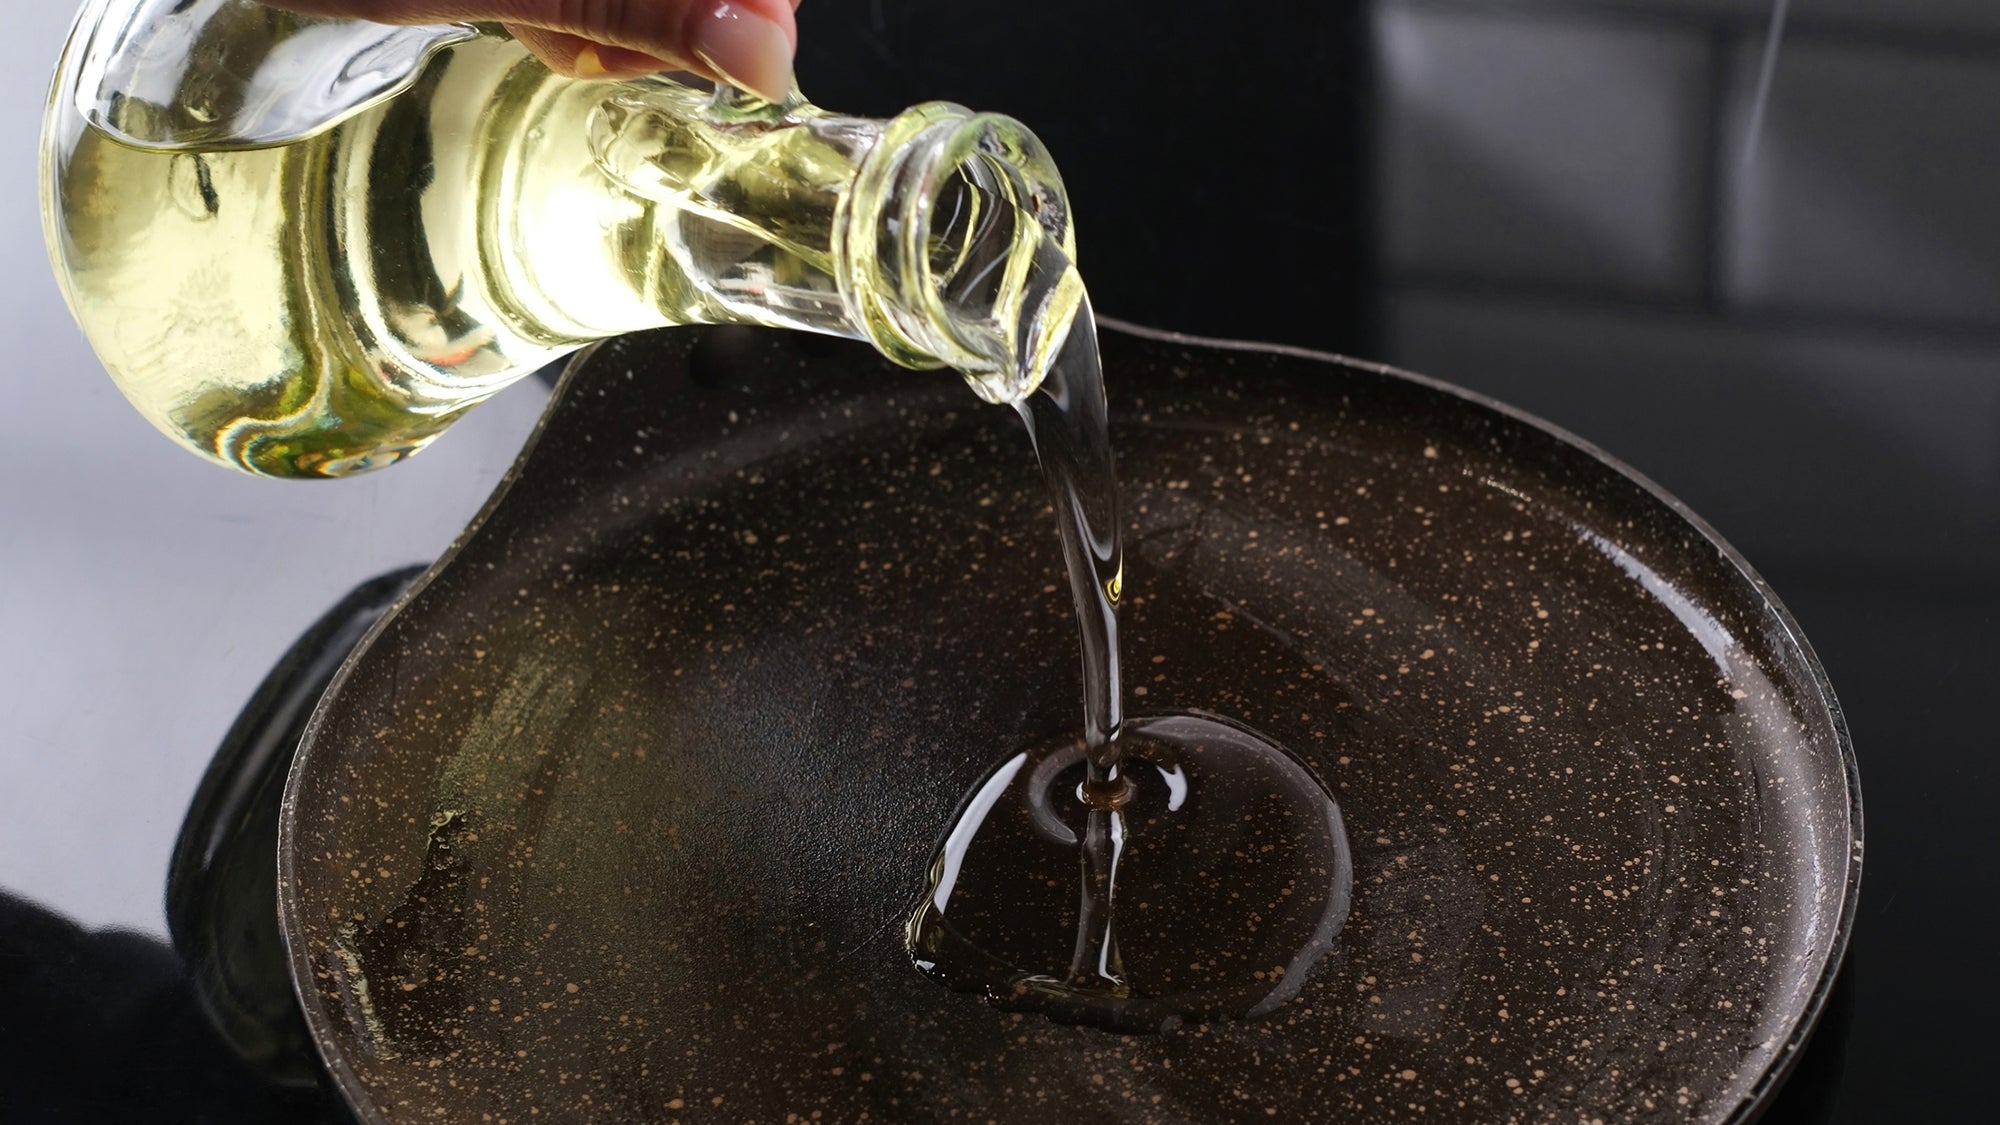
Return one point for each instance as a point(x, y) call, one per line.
point(618, 815)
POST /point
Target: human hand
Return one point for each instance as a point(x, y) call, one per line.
point(746, 43)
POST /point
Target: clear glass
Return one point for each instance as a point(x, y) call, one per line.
point(221, 74)
point(312, 270)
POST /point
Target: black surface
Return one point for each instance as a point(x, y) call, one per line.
point(104, 1028)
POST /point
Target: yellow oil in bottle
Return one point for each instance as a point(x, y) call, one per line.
point(330, 305)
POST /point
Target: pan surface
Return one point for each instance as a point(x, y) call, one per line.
point(619, 816)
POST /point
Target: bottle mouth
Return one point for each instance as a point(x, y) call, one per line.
point(958, 249)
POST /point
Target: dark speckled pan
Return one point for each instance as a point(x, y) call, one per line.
point(619, 816)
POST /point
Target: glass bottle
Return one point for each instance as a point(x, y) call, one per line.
point(303, 247)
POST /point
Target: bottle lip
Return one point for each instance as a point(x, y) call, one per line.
point(881, 244)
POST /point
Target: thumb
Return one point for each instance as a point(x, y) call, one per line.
point(746, 43)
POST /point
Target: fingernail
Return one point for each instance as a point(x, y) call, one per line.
point(750, 51)
point(589, 64)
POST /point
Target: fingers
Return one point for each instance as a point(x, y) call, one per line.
point(581, 58)
point(744, 46)
point(747, 43)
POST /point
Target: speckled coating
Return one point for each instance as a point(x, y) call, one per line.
point(619, 816)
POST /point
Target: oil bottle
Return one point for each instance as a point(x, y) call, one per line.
point(304, 246)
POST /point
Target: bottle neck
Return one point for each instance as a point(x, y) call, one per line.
point(956, 249)
point(940, 236)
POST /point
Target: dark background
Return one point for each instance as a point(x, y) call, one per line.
point(1556, 203)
